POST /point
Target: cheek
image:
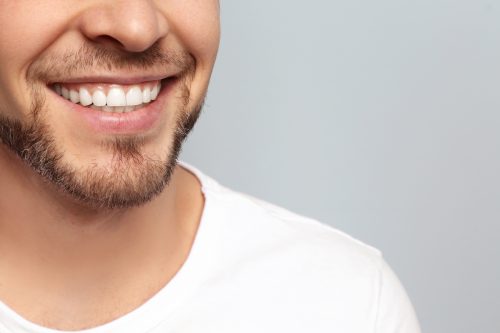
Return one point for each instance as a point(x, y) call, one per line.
point(196, 24)
point(27, 29)
point(28, 32)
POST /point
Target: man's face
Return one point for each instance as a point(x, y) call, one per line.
point(97, 96)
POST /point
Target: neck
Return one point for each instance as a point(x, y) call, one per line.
point(75, 258)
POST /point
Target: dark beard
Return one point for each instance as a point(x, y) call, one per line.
point(132, 180)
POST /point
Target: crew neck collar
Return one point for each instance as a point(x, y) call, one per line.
point(146, 316)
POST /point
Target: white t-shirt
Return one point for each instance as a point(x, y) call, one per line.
point(255, 267)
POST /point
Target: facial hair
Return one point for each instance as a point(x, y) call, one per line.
point(133, 178)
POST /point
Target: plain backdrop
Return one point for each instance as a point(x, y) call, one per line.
point(380, 118)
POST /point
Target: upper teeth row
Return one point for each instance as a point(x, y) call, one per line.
point(116, 95)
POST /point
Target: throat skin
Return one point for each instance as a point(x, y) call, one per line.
point(66, 267)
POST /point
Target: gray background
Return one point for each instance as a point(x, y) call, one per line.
point(380, 118)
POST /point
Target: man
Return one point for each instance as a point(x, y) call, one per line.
point(102, 230)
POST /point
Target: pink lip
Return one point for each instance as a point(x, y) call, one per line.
point(134, 122)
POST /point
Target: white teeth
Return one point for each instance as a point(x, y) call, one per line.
point(116, 109)
point(65, 93)
point(116, 97)
point(99, 98)
point(154, 93)
point(74, 96)
point(115, 101)
point(85, 97)
point(146, 95)
point(134, 96)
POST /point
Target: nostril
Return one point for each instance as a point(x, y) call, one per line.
point(107, 40)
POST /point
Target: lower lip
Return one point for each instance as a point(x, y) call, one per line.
point(134, 122)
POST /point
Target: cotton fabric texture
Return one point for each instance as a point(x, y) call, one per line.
point(256, 267)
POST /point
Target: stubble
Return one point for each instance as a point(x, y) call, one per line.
point(132, 178)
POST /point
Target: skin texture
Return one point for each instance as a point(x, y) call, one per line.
point(77, 252)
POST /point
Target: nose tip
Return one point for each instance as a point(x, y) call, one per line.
point(132, 25)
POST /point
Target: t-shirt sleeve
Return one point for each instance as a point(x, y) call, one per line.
point(395, 313)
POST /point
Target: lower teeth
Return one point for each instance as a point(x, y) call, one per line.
point(118, 109)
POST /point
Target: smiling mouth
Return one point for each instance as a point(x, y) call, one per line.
point(110, 97)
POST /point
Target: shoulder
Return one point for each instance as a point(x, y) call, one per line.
point(250, 224)
point(300, 265)
point(300, 238)
point(332, 269)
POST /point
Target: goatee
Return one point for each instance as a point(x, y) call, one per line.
point(132, 178)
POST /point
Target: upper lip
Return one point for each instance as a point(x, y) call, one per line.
point(114, 78)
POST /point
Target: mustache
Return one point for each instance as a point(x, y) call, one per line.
point(54, 67)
